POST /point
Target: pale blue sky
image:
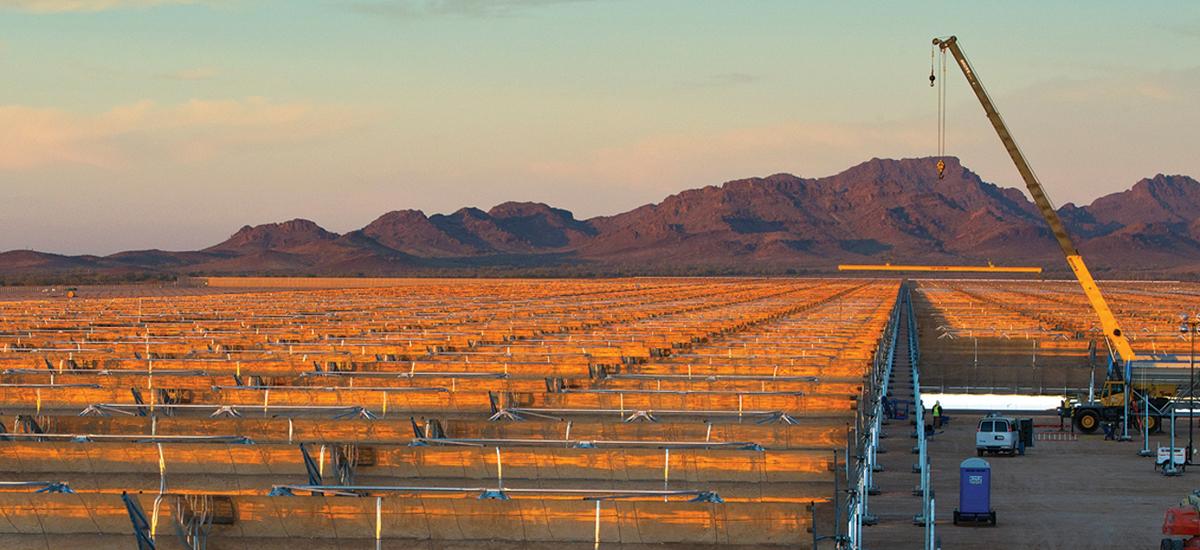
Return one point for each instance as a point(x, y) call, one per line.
point(129, 124)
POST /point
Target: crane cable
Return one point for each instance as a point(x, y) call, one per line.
point(941, 108)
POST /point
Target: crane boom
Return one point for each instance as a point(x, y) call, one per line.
point(1108, 323)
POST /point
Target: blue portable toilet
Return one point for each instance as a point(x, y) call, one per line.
point(975, 493)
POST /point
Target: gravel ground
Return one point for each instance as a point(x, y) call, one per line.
point(1088, 493)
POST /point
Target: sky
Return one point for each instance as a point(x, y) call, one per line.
point(137, 124)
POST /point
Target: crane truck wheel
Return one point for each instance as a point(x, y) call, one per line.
point(1153, 424)
point(1087, 421)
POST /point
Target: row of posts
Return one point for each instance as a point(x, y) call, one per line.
point(926, 518)
point(864, 443)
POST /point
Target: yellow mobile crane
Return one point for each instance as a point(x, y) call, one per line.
point(1113, 401)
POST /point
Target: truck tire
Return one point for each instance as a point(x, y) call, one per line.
point(1087, 420)
point(1154, 424)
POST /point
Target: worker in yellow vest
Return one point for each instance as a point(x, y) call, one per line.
point(937, 414)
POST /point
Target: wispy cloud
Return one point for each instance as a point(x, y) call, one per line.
point(194, 73)
point(68, 6)
point(193, 131)
point(666, 163)
point(411, 9)
point(1094, 136)
point(1190, 29)
point(1167, 87)
point(722, 80)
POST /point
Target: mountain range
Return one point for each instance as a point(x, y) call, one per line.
point(882, 210)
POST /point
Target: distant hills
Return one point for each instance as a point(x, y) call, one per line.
point(880, 210)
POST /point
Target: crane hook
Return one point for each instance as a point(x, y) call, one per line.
point(931, 66)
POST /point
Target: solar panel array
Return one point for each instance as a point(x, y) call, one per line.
point(1041, 336)
point(525, 412)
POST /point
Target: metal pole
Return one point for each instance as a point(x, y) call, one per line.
point(596, 538)
point(1128, 394)
point(837, 507)
point(931, 525)
point(848, 436)
point(1146, 427)
point(379, 523)
point(1169, 467)
point(812, 506)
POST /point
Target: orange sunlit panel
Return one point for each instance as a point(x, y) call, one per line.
point(601, 376)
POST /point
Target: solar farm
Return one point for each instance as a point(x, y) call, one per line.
point(475, 413)
point(626, 411)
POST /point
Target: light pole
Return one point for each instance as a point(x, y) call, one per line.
point(1190, 325)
